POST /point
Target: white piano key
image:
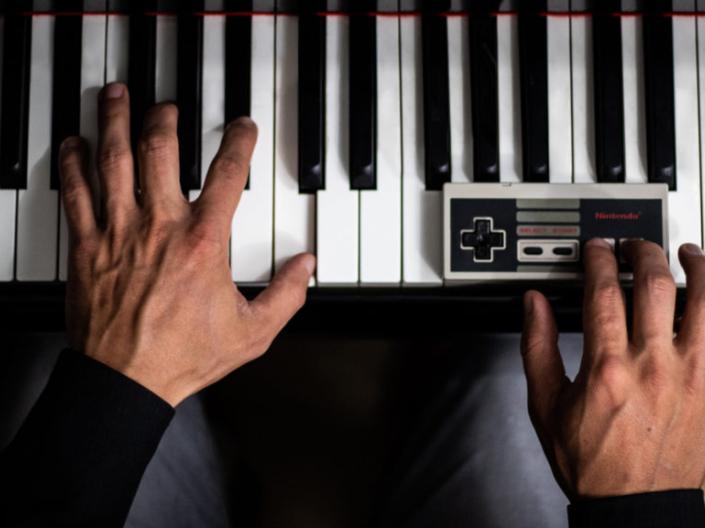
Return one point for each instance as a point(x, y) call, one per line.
point(294, 213)
point(560, 126)
point(251, 250)
point(92, 80)
point(117, 48)
point(684, 203)
point(337, 207)
point(421, 209)
point(634, 112)
point(166, 58)
point(459, 88)
point(509, 99)
point(37, 218)
point(583, 105)
point(8, 203)
point(380, 210)
point(213, 100)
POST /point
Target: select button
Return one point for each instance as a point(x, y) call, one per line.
point(533, 250)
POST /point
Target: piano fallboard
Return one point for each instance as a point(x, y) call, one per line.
point(462, 310)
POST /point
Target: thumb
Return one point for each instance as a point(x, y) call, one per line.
point(286, 294)
point(543, 366)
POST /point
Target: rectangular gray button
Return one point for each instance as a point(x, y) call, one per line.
point(543, 217)
point(544, 203)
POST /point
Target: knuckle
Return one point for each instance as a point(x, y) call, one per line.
point(530, 342)
point(205, 241)
point(657, 283)
point(158, 145)
point(695, 373)
point(606, 293)
point(611, 377)
point(114, 157)
point(72, 189)
point(230, 165)
point(260, 343)
point(157, 228)
point(82, 247)
point(69, 164)
point(655, 370)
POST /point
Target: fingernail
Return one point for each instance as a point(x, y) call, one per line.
point(692, 249)
point(243, 121)
point(114, 91)
point(309, 262)
point(599, 242)
point(70, 143)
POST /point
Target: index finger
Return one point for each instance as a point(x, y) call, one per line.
point(227, 174)
point(604, 314)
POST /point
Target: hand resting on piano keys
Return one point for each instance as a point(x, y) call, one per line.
point(150, 284)
point(150, 296)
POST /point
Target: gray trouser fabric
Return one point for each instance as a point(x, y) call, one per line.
point(470, 460)
point(473, 460)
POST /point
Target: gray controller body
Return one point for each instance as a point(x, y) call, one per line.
point(533, 231)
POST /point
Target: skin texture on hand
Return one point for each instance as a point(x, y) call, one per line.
point(149, 291)
point(633, 420)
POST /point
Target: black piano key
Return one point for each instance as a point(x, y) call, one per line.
point(434, 31)
point(363, 102)
point(17, 54)
point(608, 91)
point(658, 91)
point(238, 61)
point(142, 58)
point(66, 94)
point(188, 98)
point(533, 74)
point(312, 101)
point(484, 96)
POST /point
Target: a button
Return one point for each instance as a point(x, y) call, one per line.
point(533, 250)
point(563, 251)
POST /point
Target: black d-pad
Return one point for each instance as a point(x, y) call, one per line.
point(482, 239)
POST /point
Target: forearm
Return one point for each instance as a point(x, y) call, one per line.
point(81, 453)
point(666, 509)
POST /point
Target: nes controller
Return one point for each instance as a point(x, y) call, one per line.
point(533, 231)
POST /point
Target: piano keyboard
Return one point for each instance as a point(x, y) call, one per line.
point(362, 119)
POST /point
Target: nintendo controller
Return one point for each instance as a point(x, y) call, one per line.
point(533, 231)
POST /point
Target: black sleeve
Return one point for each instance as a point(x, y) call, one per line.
point(79, 456)
point(664, 509)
